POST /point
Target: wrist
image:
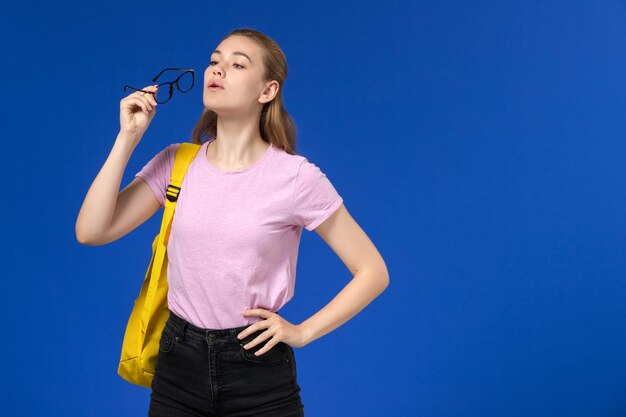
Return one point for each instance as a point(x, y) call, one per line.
point(129, 138)
point(305, 334)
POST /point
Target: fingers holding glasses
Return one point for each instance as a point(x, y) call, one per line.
point(146, 102)
point(151, 97)
point(148, 99)
point(132, 107)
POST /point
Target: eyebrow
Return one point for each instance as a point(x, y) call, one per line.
point(217, 51)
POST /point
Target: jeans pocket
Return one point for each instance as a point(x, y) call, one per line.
point(278, 353)
point(168, 339)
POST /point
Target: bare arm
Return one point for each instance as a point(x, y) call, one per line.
point(370, 276)
point(107, 214)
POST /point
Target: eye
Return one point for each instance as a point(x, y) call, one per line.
point(211, 63)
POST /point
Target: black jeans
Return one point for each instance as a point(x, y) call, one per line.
point(207, 372)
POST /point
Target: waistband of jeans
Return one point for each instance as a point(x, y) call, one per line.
point(223, 334)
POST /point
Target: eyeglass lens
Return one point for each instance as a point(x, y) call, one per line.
point(185, 82)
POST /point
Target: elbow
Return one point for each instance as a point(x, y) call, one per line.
point(87, 242)
point(385, 276)
point(80, 237)
point(80, 234)
point(83, 241)
point(84, 238)
point(379, 277)
point(385, 282)
point(384, 271)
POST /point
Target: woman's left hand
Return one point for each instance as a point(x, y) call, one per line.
point(278, 330)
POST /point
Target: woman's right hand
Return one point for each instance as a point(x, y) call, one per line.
point(137, 111)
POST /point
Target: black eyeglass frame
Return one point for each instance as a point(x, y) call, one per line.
point(170, 83)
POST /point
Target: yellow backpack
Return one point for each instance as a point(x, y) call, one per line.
point(150, 311)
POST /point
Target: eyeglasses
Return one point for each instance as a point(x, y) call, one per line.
point(183, 83)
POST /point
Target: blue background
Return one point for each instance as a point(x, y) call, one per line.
point(480, 145)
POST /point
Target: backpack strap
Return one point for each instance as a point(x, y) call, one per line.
point(185, 153)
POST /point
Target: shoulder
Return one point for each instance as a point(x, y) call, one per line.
point(171, 149)
point(314, 197)
point(161, 163)
point(303, 174)
point(286, 159)
point(294, 165)
point(167, 154)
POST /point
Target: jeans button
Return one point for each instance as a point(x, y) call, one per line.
point(211, 337)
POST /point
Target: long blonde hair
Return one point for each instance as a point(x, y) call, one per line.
point(276, 125)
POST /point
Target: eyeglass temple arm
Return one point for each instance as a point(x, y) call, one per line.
point(136, 89)
point(171, 69)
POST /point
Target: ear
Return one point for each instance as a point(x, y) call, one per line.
point(270, 91)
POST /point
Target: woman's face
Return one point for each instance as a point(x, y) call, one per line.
point(236, 65)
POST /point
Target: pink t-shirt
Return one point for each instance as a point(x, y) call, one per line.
point(234, 239)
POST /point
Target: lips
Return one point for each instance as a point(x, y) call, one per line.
point(215, 84)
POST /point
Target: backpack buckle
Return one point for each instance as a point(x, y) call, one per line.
point(172, 192)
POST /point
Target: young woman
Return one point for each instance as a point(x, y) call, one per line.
point(234, 240)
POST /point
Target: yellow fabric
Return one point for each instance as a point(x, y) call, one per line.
point(150, 313)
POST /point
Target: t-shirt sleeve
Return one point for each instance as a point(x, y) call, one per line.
point(158, 170)
point(315, 197)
